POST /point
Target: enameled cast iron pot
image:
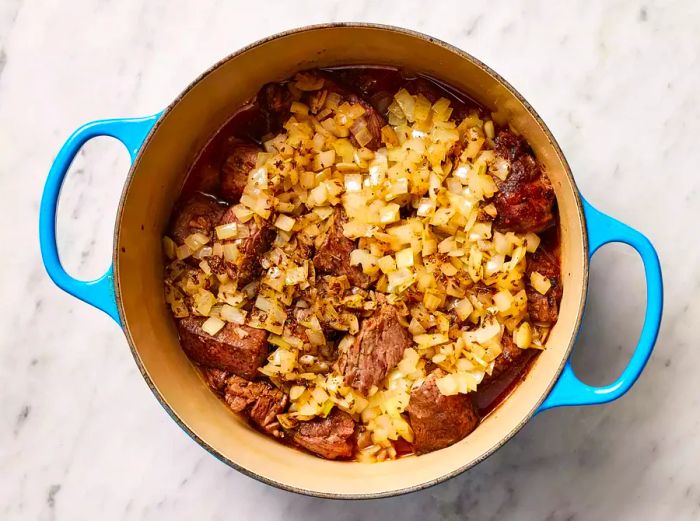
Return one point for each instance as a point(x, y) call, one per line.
point(163, 146)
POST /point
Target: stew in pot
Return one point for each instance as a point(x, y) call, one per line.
point(363, 263)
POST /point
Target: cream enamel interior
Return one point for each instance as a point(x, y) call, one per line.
point(154, 184)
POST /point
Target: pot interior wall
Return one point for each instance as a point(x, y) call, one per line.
point(156, 181)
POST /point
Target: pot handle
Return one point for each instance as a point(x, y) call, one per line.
point(569, 390)
point(131, 133)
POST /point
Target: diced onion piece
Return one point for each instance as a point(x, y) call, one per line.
point(503, 300)
point(404, 258)
point(324, 159)
point(230, 251)
point(353, 182)
point(284, 222)
point(426, 207)
point(387, 264)
point(532, 241)
point(448, 385)
point(489, 129)
point(204, 266)
point(389, 214)
point(203, 302)
point(296, 391)
point(522, 336)
point(196, 240)
point(430, 339)
point(296, 275)
point(432, 300)
point(463, 308)
point(183, 251)
point(213, 325)
point(227, 231)
point(233, 314)
point(364, 258)
point(169, 248)
point(540, 282)
point(407, 103)
point(400, 280)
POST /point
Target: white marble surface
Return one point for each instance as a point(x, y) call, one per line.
point(81, 436)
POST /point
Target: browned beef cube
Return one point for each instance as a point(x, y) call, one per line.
point(260, 236)
point(235, 169)
point(333, 256)
point(237, 349)
point(544, 309)
point(198, 214)
point(525, 200)
point(275, 100)
point(216, 378)
point(378, 347)
point(330, 437)
point(439, 421)
point(260, 400)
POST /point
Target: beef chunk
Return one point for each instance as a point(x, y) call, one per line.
point(261, 401)
point(378, 347)
point(198, 214)
point(333, 256)
point(216, 378)
point(238, 349)
point(507, 367)
point(275, 101)
point(439, 421)
point(260, 236)
point(525, 200)
point(235, 168)
point(544, 309)
point(330, 437)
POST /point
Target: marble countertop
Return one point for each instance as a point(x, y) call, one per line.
point(81, 436)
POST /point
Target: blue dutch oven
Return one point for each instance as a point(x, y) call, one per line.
point(164, 145)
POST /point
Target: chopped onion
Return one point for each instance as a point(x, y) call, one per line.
point(213, 325)
point(227, 231)
point(169, 247)
point(540, 282)
point(522, 336)
point(182, 252)
point(284, 222)
point(404, 258)
point(233, 314)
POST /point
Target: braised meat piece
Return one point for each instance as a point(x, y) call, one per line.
point(378, 347)
point(237, 349)
point(333, 256)
point(216, 378)
point(544, 309)
point(330, 437)
point(260, 236)
point(260, 400)
point(525, 200)
point(274, 99)
point(239, 162)
point(438, 421)
point(198, 214)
